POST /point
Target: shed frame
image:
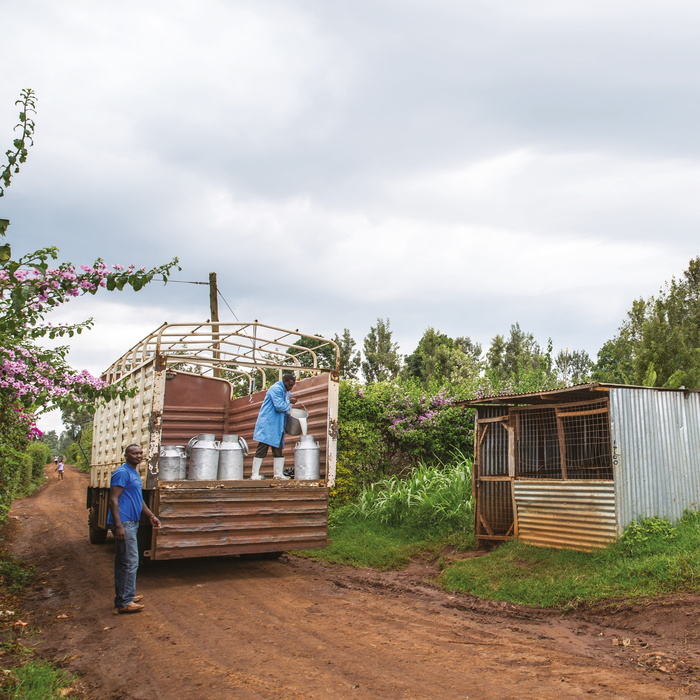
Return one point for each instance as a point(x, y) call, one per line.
point(572, 467)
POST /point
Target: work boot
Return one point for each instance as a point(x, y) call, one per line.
point(278, 466)
point(257, 463)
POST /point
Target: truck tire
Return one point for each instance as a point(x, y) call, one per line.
point(97, 535)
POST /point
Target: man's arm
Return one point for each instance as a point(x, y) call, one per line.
point(114, 493)
point(149, 513)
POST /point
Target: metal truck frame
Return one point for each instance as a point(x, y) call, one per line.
point(185, 377)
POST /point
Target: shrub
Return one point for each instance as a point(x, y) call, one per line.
point(40, 454)
point(438, 496)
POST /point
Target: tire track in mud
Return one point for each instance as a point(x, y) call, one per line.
point(217, 629)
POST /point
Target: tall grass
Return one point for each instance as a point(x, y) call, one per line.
point(431, 496)
point(398, 519)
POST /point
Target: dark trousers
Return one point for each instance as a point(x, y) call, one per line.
point(261, 451)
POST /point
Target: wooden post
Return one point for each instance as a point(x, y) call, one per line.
point(214, 311)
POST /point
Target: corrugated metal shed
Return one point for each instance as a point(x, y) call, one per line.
point(656, 452)
point(583, 462)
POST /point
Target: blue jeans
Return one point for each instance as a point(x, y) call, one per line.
point(126, 564)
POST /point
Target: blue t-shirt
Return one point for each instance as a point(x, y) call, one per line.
point(130, 500)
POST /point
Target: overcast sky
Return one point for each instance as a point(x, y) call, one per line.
point(458, 164)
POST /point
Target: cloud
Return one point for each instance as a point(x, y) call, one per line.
point(461, 165)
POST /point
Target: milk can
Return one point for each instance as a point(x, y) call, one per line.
point(204, 457)
point(171, 465)
point(307, 466)
point(232, 449)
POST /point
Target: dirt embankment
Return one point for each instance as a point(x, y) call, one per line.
point(231, 628)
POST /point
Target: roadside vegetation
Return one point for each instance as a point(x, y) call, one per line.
point(23, 674)
point(388, 526)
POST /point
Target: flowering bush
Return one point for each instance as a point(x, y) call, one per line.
point(33, 378)
point(388, 428)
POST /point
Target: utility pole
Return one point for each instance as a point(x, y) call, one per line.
point(214, 311)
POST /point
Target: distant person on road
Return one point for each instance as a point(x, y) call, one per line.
point(55, 461)
point(269, 428)
point(60, 468)
point(125, 507)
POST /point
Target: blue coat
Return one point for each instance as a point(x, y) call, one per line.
point(269, 428)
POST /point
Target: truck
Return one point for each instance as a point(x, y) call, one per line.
point(186, 379)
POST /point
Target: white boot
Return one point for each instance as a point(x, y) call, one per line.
point(257, 463)
point(278, 466)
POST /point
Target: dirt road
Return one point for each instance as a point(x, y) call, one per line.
point(231, 628)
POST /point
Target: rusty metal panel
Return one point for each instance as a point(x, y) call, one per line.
point(656, 452)
point(575, 514)
point(218, 519)
point(315, 395)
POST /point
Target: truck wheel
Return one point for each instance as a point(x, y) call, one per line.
point(97, 535)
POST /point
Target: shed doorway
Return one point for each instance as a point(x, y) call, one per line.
point(493, 482)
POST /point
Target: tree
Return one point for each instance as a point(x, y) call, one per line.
point(30, 287)
point(50, 438)
point(658, 344)
point(440, 359)
point(573, 367)
point(33, 378)
point(382, 360)
point(349, 358)
point(318, 351)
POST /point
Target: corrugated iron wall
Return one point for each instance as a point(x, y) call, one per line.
point(566, 514)
point(656, 452)
point(313, 395)
point(217, 521)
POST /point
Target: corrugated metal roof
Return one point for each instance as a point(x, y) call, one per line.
point(576, 392)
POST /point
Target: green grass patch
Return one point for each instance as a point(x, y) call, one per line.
point(35, 680)
point(399, 519)
point(15, 575)
point(652, 558)
point(367, 543)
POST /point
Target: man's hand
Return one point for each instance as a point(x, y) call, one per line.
point(119, 532)
point(155, 523)
point(293, 400)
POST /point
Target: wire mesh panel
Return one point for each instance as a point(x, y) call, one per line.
point(492, 438)
point(493, 482)
point(585, 431)
point(565, 441)
point(494, 509)
point(537, 451)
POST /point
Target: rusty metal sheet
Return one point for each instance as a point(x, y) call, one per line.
point(239, 520)
point(656, 452)
point(576, 514)
point(314, 394)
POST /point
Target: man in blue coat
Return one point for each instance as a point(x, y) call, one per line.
point(269, 428)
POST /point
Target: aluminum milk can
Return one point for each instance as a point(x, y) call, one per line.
point(232, 449)
point(171, 465)
point(204, 457)
point(307, 464)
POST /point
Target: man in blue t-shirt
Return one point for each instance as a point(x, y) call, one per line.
point(125, 507)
